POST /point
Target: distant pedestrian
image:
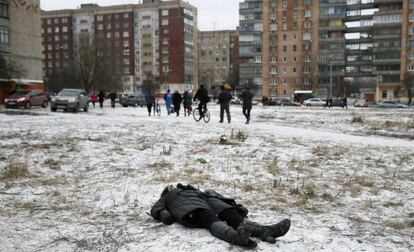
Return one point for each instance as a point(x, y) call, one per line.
point(224, 100)
point(112, 96)
point(101, 97)
point(345, 103)
point(247, 98)
point(188, 101)
point(94, 98)
point(327, 102)
point(177, 99)
point(168, 101)
point(330, 102)
point(150, 99)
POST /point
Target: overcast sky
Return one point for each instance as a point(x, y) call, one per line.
point(212, 14)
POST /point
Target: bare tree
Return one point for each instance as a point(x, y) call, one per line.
point(149, 84)
point(93, 65)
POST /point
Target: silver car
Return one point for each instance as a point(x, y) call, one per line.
point(390, 104)
point(70, 100)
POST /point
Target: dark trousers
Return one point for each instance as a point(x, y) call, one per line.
point(225, 107)
point(204, 218)
point(149, 107)
point(200, 108)
point(101, 104)
point(93, 103)
point(246, 112)
point(177, 110)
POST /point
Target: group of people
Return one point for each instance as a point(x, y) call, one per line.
point(100, 97)
point(173, 102)
point(329, 103)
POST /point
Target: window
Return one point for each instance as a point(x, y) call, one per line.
point(108, 35)
point(100, 26)
point(307, 36)
point(99, 17)
point(126, 15)
point(307, 81)
point(165, 22)
point(64, 20)
point(284, 26)
point(307, 13)
point(4, 10)
point(56, 29)
point(108, 26)
point(64, 29)
point(4, 35)
point(410, 68)
point(164, 12)
point(284, 4)
point(125, 34)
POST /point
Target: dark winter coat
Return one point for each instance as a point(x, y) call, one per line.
point(224, 97)
point(150, 99)
point(101, 96)
point(184, 200)
point(188, 100)
point(202, 95)
point(112, 96)
point(177, 99)
point(247, 98)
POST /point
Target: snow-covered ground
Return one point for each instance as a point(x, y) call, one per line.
point(87, 181)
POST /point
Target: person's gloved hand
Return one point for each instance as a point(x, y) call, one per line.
point(165, 217)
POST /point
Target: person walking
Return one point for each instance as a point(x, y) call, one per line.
point(150, 99)
point(345, 103)
point(202, 96)
point(94, 98)
point(188, 101)
point(177, 99)
point(168, 101)
point(224, 101)
point(112, 96)
point(222, 216)
point(101, 97)
point(247, 98)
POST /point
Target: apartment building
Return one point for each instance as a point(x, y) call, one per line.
point(154, 41)
point(333, 47)
point(278, 42)
point(218, 59)
point(20, 44)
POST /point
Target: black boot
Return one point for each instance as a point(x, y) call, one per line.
point(268, 233)
point(224, 232)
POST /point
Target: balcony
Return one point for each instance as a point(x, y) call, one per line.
point(386, 61)
point(332, 28)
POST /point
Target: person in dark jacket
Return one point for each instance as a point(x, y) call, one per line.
point(150, 99)
point(202, 96)
point(345, 103)
point(177, 99)
point(247, 98)
point(188, 101)
point(101, 98)
point(224, 100)
point(222, 216)
point(112, 96)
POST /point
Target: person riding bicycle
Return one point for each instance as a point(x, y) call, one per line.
point(202, 96)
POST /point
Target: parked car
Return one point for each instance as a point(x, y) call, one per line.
point(317, 102)
point(70, 99)
point(287, 102)
point(26, 99)
point(390, 104)
point(133, 100)
point(362, 103)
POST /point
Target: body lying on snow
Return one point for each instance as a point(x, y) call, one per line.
point(222, 216)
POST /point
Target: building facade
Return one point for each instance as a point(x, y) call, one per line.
point(20, 44)
point(154, 41)
point(333, 47)
point(218, 59)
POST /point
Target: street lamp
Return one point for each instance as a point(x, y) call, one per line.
point(330, 57)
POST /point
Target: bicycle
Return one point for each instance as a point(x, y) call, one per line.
point(197, 116)
point(157, 108)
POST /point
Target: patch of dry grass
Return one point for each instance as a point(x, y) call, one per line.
point(273, 167)
point(15, 171)
point(52, 163)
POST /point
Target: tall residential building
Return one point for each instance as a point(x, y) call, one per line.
point(154, 41)
point(20, 44)
point(218, 59)
point(333, 47)
point(278, 46)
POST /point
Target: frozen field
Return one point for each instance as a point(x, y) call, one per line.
point(86, 181)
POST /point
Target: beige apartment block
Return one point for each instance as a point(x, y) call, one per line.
point(215, 59)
